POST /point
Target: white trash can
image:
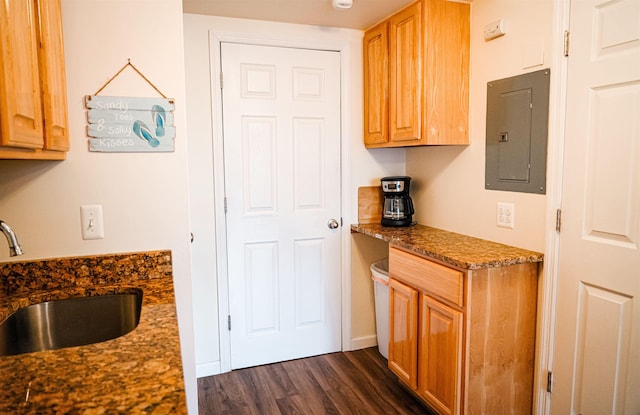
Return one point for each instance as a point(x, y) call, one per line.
point(380, 277)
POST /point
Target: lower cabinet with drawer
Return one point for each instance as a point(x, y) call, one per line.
point(463, 341)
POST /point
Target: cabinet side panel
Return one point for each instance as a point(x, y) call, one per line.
point(501, 345)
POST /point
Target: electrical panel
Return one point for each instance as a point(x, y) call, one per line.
point(517, 129)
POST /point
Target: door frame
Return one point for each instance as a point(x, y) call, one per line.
point(342, 47)
point(548, 287)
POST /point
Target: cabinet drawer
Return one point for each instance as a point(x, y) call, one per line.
point(439, 280)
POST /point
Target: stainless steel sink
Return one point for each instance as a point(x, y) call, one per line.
point(70, 322)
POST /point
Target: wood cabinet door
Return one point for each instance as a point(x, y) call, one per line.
point(446, 73)
point(440, 351)
point(376, 85)
point(52, 73)
point(403, 332)
point(405, 72)
point(20, 104)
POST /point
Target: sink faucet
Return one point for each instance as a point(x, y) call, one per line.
point(14, 246)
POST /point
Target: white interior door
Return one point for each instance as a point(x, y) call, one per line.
point(281, 115)
point(596, 363)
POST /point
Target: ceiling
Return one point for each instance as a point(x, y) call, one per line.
point(362, 15)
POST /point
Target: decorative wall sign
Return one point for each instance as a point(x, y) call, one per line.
point(130, 124)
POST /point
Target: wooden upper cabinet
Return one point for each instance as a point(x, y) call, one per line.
point(426, 93)
point(33, 100)
point(446, 72)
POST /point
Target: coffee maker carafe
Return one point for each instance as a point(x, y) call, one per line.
point(397, 208)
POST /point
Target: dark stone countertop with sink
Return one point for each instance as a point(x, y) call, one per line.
point(451, 248)
point(140, 372)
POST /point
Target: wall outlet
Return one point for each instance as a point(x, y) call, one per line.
point(91, 221)
point(506, 215)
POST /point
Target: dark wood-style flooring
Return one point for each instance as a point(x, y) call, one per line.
point(356, 382)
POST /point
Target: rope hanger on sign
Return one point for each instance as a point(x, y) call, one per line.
point(129, 64)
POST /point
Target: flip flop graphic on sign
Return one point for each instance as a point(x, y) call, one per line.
point(141, 130)
point(130, 124)
point(159, 116)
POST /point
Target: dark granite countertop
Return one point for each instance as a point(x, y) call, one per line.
point(452, 248)
point(140, 372)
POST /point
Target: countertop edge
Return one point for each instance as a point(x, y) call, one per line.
point(458, 250)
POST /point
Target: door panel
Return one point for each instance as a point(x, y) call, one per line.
point(596, 365)
point(281, 115)
point(376, 85)
point(261, 285)
point(602, 349)
point(20, 92)
point(259, 159)
point(612, 191)
point(403, 332)
point(53, 75)
point(310, 291)
point(308, 168)
point(405, 69)
point(441, 346)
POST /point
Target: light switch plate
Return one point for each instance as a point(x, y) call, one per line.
point(92, 222)
point(505, 215)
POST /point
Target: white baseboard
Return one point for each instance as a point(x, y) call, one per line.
point(208, 369)
point(214, 368)
point(364, 342)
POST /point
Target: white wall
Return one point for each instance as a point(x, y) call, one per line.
point(360, 168)
point(448, 187)
point(144, 196)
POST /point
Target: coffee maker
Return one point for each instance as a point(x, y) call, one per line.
point(397, 207)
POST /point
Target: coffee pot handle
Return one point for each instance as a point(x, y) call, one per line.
point(410, 206)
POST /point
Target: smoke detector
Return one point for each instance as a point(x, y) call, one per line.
point(342, 4)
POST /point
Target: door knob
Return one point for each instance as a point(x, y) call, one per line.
point(333, 224)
